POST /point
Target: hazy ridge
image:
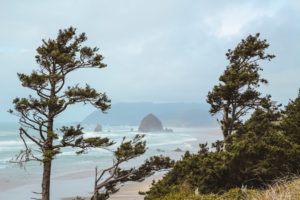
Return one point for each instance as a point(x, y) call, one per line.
point(171, 114)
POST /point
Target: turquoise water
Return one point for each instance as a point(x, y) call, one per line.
point(69, 163)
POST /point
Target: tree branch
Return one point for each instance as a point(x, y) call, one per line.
point(30, 137)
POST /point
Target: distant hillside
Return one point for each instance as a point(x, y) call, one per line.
point(171, 114)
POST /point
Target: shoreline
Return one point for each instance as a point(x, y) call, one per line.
point(130, 190)
point(80, 183)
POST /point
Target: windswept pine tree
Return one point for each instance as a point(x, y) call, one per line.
point(109, 180)
point(237, 91)
point(57, 58)
point(254, 152)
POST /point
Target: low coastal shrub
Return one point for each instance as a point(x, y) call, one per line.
point(185, 193)
point(284, 188)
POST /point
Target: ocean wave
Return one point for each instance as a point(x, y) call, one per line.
point(10, 143)
point(4, 162)
point(9, 133)
point(8, 148)
point(188, 145)
point(172, 142)
point(101, 134)
point(3, 166)
point(90, 152)
point(67, 153)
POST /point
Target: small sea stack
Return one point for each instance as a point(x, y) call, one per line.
point(98, 128)
point(168, 130)
point(178, 150)
point(150, 123)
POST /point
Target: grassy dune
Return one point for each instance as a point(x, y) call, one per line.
point(282, 190)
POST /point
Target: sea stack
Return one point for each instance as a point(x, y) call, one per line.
point(150, 123)
point(98, 128)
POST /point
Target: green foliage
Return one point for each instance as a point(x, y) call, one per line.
point(291, 120)
point(239, 194)
point(131, 149)
point(184, 192)
point(260, 156)
point(97, 142)
point(56, 59)
point(179, 193)
point(236, 93)
point(256, 154)
point(127, 151)
point(50, 154)
point(253, 153)
point(53, 135)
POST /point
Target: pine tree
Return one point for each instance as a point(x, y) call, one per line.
point(117, 175)
point(237, 93)
point(57, 59)
point(291, 119)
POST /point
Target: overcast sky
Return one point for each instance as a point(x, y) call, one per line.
point(156, 51)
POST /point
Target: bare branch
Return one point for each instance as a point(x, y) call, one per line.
point(30, 137)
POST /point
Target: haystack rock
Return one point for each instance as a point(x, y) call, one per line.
point(150, 123)
point(98, 128)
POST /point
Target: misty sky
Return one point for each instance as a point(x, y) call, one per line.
point(156, 51)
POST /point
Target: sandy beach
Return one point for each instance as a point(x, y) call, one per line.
point(130, 191)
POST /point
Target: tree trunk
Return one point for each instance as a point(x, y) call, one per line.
point(224, 124)
point(95, 197)
point(46, 181)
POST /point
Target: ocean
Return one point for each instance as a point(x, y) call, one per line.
point(72, 174)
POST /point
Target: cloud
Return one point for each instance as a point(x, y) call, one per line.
point(162, 51)
point(232, 19)
point(13, 50)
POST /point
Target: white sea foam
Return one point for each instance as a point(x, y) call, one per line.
point(8, 133)
point(172, 142)
point(188, 145)
point(3, 166)
point(101, 134)
point(6, 148)
point(10, 143)
point(3, 160)
point(181, 138)
point(67, 153)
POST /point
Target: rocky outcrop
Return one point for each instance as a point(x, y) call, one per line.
point(98, 128)
point(178, 150)
point(160, 150)
point(168, 130)
point(150, 123)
